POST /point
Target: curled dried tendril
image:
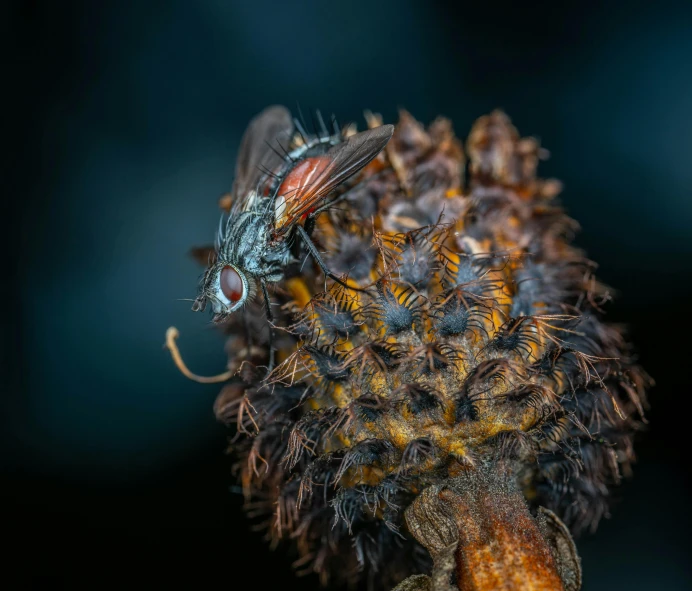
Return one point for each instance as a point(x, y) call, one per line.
point(171, 336)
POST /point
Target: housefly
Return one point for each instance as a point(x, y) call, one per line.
point(276, 196)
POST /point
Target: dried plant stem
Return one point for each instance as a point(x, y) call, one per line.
point(499, 544)
point(171, 335)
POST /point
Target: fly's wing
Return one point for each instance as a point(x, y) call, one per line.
point(260, 151)
point(341, 162)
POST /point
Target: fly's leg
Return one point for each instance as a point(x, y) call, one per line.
point(309, 225)
point(246, 329)
point(307, 229)
point(270, 319)
point(312, 249)
point(267, 303)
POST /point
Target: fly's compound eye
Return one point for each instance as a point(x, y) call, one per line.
point(227, 288)
point(231, 284)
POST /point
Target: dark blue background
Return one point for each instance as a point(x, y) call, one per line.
point(124, 122)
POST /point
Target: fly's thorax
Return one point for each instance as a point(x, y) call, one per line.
point(248, 244)
point(232, 280)
point(246, 236)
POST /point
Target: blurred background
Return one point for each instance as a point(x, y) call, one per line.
point(124, 121)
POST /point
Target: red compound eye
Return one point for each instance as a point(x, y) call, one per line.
point(231, 284)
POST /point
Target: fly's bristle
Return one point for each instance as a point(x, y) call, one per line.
point(475, 338)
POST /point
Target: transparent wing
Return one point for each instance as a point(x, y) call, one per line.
point(338, 164)
point(260, 151)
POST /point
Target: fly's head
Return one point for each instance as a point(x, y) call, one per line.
point(227, 283)
point(226, 287)
point(232, 276)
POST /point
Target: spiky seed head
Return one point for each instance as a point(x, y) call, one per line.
point(478, 340)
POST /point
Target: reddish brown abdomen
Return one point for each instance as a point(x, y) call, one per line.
point(302, 176)
point(294, 187)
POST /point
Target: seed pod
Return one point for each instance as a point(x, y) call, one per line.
point(472, 349)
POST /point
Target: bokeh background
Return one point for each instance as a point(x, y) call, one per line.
point(127, 117)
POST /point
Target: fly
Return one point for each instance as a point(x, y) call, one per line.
point(276, 196)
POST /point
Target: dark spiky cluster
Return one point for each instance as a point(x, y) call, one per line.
point(476, 338)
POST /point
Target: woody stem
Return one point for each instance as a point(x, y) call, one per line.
point(499, 545)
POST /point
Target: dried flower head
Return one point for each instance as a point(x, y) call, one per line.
point(471, 363)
